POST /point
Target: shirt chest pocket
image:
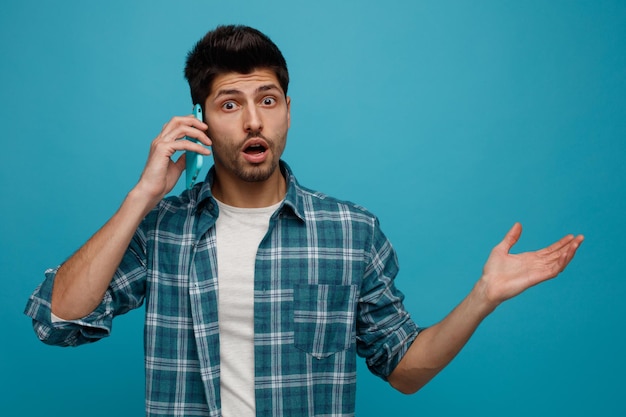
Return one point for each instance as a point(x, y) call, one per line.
point(324, 318)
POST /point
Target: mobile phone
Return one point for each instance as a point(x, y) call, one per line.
point(193, 159)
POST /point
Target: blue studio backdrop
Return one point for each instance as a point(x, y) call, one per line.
point(450, 120)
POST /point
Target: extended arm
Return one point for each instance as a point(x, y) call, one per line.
point(83, 279)
point(504, 276)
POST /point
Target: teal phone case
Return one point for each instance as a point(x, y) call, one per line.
point(194, 160)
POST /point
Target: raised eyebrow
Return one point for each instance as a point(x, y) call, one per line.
point(228, 92)
point(235, 92)
point(267, 87)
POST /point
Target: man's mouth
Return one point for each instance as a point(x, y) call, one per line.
point(255, 149)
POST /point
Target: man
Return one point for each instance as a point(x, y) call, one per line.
point(259, 293)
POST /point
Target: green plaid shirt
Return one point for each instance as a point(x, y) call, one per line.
point(323, 293)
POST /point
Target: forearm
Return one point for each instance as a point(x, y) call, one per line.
point(81, 282)
point(436, 346)
point(504, 276)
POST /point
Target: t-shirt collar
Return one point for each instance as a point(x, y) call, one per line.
point(293, 197)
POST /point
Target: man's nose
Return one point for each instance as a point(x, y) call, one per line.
point(252, 120)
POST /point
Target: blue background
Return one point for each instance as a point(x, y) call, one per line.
point(449, 119)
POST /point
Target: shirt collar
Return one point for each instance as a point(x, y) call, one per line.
point(293, 197)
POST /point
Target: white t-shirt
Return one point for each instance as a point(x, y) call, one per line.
point(239, 232)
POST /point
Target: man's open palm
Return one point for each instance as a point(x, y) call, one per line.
point(507, 275)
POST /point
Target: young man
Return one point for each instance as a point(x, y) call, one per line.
point(259, 293)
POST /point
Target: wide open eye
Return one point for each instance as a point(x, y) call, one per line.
point(268, 101)
point(229, 105)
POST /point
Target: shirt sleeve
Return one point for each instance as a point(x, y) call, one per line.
point(385, 329)
point(126, 292)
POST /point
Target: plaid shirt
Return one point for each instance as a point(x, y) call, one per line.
point(323, 293)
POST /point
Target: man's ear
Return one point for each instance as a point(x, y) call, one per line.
point(288, 111)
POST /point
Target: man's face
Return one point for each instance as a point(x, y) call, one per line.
point(248, 117)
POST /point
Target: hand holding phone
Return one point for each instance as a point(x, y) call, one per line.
point(193, 159)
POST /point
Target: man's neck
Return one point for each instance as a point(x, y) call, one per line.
point(238, 193)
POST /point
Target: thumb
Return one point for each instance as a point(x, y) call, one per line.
point(511, 238)
point(181, 163)
point(175, 171)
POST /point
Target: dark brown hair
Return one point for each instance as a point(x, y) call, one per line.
point(232, 48)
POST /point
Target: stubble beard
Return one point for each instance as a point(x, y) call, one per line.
point(231, 159)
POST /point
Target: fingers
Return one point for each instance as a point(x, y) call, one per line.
point(557, 256)
point(570, 250)
point(180, 127)
point(170, 139)
point(566, 243)
point(560, 244)
point(190, 145)
point(562, 251)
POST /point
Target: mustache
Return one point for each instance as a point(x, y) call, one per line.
point(255, 134)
